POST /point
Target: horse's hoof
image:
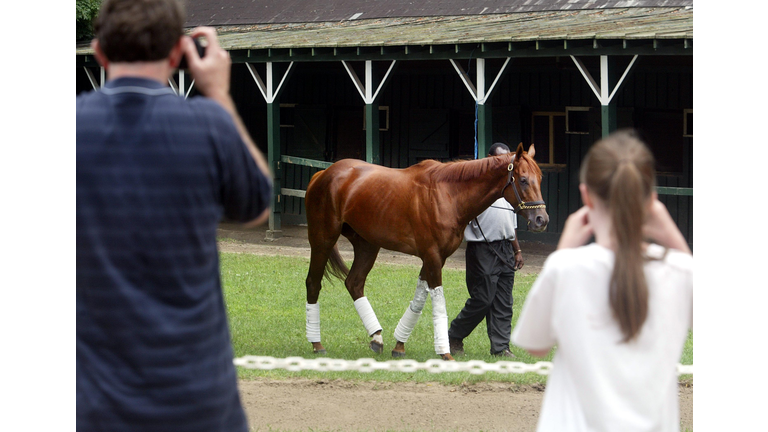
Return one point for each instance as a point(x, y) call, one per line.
point(447, 357)
point(398, 354)
point(320, 352)
point(377, 347)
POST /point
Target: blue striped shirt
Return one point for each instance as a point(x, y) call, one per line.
point(155, 175)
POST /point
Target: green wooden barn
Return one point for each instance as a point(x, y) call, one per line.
point(394, 83)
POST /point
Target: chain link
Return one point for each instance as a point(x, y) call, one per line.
point(475, 367)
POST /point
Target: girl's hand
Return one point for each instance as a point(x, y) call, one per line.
point(661, 228)
point(577, 230)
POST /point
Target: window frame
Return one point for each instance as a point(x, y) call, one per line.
point(551, 144)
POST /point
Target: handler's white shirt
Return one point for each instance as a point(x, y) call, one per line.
point(597, 382)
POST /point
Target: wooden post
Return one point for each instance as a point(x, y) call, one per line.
point(369, 91)
point(603, 89)
point(372, 138)
point(271, 92)
point(608, 104)
point(481, 94)
point(484, 129)
point(273, 157)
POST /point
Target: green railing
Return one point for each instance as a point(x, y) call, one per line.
point(674, 191)
point(303, 162)
point(323, 165)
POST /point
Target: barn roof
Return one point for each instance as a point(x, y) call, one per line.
point(237, 12)
point(283, 30)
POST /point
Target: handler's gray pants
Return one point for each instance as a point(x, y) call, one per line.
point(490, 283)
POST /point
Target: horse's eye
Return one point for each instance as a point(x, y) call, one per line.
point(523, 180)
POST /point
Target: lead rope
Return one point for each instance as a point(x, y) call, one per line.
point(493, 249)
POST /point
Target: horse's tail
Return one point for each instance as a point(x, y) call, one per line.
point(336, 265)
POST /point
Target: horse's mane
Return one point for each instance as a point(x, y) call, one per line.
point(462, 170)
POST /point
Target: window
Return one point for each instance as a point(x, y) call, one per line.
point(548, 136)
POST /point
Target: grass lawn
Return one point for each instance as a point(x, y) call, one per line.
point(266, 297)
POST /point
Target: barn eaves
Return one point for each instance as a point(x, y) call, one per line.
point(620, 31)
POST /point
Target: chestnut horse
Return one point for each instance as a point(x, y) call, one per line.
point(421, 210)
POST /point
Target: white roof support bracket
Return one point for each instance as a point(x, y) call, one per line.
point(465, 79)
point(602, 91)
point(268, 90)
point(479, 93)
point(92, 78)
point(172, 83)
point(181, 88)
point(367, 90)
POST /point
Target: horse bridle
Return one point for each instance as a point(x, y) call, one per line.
point(521, 205)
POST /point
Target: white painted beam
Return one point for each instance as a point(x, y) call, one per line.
point(481, 93)
point(367, 90)
point(91, 78)
point(268, 90)
point(602, 91)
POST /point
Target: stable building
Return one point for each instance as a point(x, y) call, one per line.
point(396, 82)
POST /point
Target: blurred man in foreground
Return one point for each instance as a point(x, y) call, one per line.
point(155, 175)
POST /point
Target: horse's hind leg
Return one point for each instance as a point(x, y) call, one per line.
point(365, 257)
point(317, 262)
point(322, 240)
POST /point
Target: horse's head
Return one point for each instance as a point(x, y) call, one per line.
point(523, 189)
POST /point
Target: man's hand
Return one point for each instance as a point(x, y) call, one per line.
point(577, 230)
point(212, 76)
point(519, 260)
point(212, 72)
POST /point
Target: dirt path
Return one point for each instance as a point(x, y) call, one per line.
point(335, 405)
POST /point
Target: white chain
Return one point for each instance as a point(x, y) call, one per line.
point(476, 367)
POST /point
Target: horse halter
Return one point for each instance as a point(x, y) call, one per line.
point(521, 205)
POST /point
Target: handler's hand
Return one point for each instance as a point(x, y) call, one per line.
point(577, 230)
point(519, 261)
point(212, 72)
point(661, 228)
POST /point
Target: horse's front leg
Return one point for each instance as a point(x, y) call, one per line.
point(365, 256)
point(430, 283)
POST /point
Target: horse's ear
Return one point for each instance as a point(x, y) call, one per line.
point(531, 151)
point(519, 152)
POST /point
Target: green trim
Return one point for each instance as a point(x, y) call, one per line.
point(293, 192)
point(678, 47)
point(674, 191)
point(305, 162)
point(372, 134)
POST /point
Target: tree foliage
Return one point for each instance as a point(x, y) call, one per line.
point(86, 13)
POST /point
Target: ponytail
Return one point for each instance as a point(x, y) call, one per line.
point(619, 170)
point(628, 292)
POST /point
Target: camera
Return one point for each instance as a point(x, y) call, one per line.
point(200, 51)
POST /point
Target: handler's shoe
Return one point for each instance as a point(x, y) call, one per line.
point(506, 353)
point(457, 347)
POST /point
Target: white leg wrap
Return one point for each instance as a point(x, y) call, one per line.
point(364, 309)
point(412, 313)
point(313, 322)
point(406, 325)
point(440, 320)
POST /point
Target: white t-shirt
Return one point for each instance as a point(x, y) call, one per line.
point(498, 222)
point(599, 383)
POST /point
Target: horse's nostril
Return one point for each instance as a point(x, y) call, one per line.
point(539, 220)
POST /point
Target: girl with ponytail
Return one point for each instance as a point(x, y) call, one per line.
point(619, 309)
